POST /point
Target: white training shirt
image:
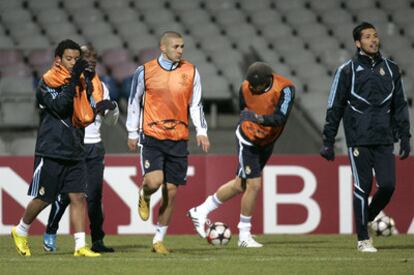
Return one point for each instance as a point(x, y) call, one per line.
point(93, 131)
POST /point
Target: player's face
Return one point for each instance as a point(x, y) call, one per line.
point(91, 57)
point(369, 41)
point(173, 49)
point(68, 59)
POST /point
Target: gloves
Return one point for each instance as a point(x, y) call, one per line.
point(104, 105)
point(327, 152)
point(404, 148)
point(247, 115)
point(78, 69)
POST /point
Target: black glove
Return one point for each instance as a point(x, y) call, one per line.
point(327, 152)
point(247, 115)
point(404, 148)
point(78, 69)
point(104, 105)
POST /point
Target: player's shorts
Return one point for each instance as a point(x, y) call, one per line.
point(52, 177)
point(167, 155)
point(252, 158)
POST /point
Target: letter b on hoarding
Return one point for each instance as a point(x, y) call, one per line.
point(271, 200)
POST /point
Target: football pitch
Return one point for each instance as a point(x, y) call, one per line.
point(281, 254)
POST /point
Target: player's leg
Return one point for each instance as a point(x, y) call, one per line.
point(57, 210)
point(384, 167)
point(361, 164)
point(95, 167)
point(75, 185)
point(175, 170)
point(44, 189)
point(152, 164)
point(254, 159)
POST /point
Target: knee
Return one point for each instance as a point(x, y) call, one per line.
point(388, 189)
point(153, 181)
point(254, 186)
point(239, 185)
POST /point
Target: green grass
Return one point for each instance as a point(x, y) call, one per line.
point(282, 254)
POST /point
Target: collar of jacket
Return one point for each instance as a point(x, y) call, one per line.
point(368, 60)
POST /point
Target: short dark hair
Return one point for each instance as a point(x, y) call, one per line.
point(357, 32)
point(66, 44)
point(259, 73)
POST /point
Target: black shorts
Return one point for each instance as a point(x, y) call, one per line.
point(167, 155)
point(252, 158)
point(52, 177)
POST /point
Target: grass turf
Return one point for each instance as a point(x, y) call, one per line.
point(281, 254)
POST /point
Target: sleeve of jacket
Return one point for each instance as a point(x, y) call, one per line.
point(134, 103)
point(282, 110)
point(400, 106)
point(59, 103)
point(336, 103)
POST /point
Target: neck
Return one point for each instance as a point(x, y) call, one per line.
point(166, 63)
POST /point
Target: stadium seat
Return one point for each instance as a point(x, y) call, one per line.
point(255, 6)
point(143, 6)
point(185, 5)
point(51, 16)
point(72, 5)
point(219, 5)
point(113, 57)
point(265, 18)
point(357, 5)
point(403, 17)
point(284, 6)
point(388, 6)
point(15, 16)
point(99, 28)
point(33, 42)
point(108, 5)
point(229, 17)
point(6, 42)
point(84, 16)
point(10, 56)
point(300, 17)
point(136, 44)
point(23, 146)
point(146, 55)
point(43, 5)
point(120, 15)
point(3, 147)
point(321, 6)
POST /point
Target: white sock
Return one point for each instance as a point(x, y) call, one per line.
point(210, 204)
point(244, 227)
point(160, 231)
point(22, 229)
point(79, 240)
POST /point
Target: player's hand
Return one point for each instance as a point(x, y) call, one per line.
point(133, 145)
point(327, 152)
point(405, 148)
point(203, 142)
point(104, 105)
point(78, 69)
point(247, 115)
point(89, 73)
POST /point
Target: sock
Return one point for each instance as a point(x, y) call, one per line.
point(160, 231)
point(210, 204)
point(141, 191)
point(79, 240)
point(244, 227)
point(22, 229)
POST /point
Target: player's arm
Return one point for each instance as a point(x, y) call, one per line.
point(59, 103)
point(111, 116)
point(336, 104)
point(282, 110)
point(135, 108)
point(197, 114)
point(400, 106)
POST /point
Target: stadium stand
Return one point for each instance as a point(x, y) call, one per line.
point(302, 39)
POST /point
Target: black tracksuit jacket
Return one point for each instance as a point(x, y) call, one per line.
point(368, 94)
point(56, 137)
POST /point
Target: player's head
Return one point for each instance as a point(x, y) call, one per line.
point(366, 38)
point(260, 76)
point(172, 45)
point(89, 54)
point(67, 53)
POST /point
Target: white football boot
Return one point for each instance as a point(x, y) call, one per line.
point(249, 243)
point(199, 220)
point(366, 246)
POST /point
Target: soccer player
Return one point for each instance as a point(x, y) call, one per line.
point(59, 165)
point(368, 94)
point(163, 92)
point(107, 111)
point(266, 100)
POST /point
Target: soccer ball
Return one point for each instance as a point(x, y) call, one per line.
point(218, 234)
point(384, 226)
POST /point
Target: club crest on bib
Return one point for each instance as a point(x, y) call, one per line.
point(42, 191)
